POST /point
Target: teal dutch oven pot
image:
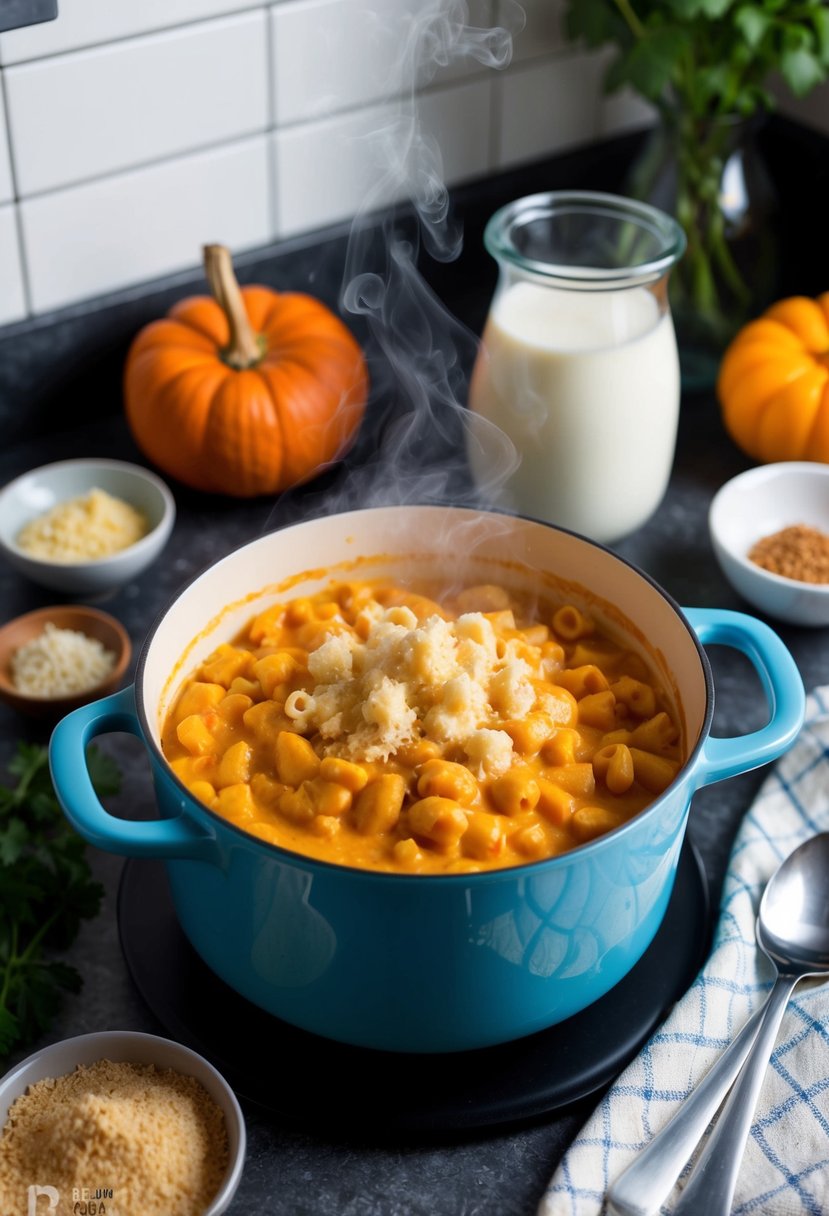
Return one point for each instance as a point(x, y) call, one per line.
point(423, 963)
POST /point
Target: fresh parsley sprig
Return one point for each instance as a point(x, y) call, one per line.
point(46, 890)
point(713, 56)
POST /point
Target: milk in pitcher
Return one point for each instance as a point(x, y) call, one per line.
point(578, 365)
point(586, 385)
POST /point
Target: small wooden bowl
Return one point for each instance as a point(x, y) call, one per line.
point(91, 621)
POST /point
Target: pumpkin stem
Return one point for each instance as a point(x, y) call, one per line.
point(245, 348)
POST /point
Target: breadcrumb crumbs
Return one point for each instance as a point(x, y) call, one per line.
point(152, 1137)
point(799, 552)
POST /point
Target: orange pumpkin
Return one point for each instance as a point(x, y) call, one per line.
point(247, 393)
point(773, 383)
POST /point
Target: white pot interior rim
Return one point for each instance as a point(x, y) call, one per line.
point(219, 574)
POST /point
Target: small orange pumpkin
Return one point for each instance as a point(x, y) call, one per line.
point(248, 393)
point(773, 384)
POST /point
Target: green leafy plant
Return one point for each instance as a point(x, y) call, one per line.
point(46, 890)
point(705, 64)
point(713, 56)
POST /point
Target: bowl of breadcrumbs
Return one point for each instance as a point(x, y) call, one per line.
point(119, 1124)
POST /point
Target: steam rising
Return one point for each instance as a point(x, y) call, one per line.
point(412, 448)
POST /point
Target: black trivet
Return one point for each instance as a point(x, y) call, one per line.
point(317, 1081)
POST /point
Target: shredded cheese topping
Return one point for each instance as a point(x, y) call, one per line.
point(89, 527)
point(447, 676)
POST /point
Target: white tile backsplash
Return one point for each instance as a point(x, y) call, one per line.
point(543, 30)
point(547, 106)
point(94, 112)
point(130, 227)
point(83, 23)
point(326, 170)
point(12, 296)
point(458, 120)
point(136, 129)
point(6, 184)
point(624, 111)
point(463, 50)
point(332, 55)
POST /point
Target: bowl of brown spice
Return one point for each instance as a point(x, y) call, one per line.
point(770, 533)
point(120, 1122)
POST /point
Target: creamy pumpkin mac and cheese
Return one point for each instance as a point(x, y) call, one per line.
point(375, 727)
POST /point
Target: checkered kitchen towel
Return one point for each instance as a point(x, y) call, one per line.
point(786, 1165)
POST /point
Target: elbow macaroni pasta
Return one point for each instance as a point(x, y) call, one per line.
point(375, 727)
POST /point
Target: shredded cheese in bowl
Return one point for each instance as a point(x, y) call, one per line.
point(92, 526)
point(59, 663)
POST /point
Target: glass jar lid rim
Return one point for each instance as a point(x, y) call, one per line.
point(499, 242)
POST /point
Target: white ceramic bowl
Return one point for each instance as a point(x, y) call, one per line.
point(757, 504)
point(131, 1046)
point(40, 489)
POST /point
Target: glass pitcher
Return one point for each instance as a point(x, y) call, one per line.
point(578, 363)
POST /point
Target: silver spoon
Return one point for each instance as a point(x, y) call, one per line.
point(793, 930)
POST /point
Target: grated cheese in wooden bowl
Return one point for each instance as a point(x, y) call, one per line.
point(86, 528)
point(60, 662)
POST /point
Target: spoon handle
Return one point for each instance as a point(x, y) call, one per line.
point(649, 1179)
point(711, 1186)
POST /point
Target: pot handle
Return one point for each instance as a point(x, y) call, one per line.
point(781, 683)
point(178, 837)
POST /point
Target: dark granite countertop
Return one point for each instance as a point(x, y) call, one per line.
point(59, 397)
